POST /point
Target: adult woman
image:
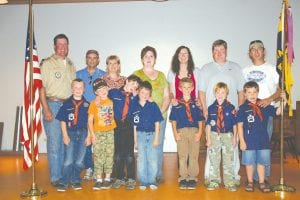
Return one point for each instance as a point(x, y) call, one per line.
point(113, 69)
point(182, 66)
point(160, 94)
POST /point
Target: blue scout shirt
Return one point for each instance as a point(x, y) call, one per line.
point(255, 130)
point(144, 118)
point(118, 98)
point(67, 110)
point(178, 114)
point(228, 113)
point(88, 80)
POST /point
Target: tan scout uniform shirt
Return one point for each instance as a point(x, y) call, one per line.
point(57, 77)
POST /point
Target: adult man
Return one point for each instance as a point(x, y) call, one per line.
point(88, 75)
point(230, 73)
point(57, 72)
point(267, 78)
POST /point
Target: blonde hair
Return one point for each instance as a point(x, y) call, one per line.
point(221, 85)
point(116, 58)
point(186, 80)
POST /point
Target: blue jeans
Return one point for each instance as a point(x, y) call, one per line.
point(255, 157)
point(160, 149)
point(88, 158)
point(268, 167)
point(55, 145)
point(147, 158)
point(74, 154)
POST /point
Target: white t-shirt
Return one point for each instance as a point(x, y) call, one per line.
point(266, 76)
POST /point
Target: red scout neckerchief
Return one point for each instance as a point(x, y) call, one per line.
point(220, 119)
point(256, 110)
point(126, 105)
point(187, 108)
point(76, 110)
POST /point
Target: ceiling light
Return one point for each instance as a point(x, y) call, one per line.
point(3, 1)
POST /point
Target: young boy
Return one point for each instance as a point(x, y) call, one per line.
point(124, 140)
point(253, 134)
point(221, 136)
point(73, 118)
point(186, 121)
point(101, 126)
point(146, 117)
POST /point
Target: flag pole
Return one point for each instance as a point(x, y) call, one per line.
point(34, 192)
point(281, 188)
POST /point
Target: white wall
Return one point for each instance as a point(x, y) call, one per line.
point(125, 28)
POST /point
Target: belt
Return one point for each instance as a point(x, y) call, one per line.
point(55, 99)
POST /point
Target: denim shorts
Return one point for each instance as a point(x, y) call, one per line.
point(252, 157)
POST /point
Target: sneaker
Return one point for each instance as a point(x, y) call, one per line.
point(130, 184)
point(183, 184)
point(212, 185)
point(61, 187)
point(191, 184)
point(231, 186)
point(118, 183)
point(142, 187)
point(88, 174)
point(106, 185)
point(153, 187)
point(98, 185)
point(76, 186)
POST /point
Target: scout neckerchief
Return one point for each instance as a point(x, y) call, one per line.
point(187, 108)
point(256, 110)
point(126, 105)
point(76, 110)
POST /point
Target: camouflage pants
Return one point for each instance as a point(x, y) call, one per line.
point(104, 152)
point(221, 146)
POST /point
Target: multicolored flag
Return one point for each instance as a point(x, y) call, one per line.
point(285, 52)
point(31, 117)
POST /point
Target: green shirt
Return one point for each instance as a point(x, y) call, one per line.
point(158, 86)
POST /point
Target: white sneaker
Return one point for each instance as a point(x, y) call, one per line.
point(153, 187)
point(142, 187)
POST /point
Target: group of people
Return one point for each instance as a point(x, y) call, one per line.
point(111, 115)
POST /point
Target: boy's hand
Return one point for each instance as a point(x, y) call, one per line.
point(205, 113)
point(243, 145)
point(233, 141)
point(155, 142)
point(208, 142)
point(93, 138)
point(197, 137)
point(174, 102)
point(198, 103)
point(66, 140)
point(177, 136)
point(88, 141)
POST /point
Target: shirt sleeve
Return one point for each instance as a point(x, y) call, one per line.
point(61, 115)
point(157, 114)
point(173, 114)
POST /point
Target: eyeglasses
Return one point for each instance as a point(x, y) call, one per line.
point(90, 81)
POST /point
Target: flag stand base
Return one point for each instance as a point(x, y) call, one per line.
point(282, 187)
point(33, 193)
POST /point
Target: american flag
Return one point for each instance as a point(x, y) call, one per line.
point(35, 107)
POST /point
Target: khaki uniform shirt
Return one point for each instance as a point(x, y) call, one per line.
point(57, 76)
